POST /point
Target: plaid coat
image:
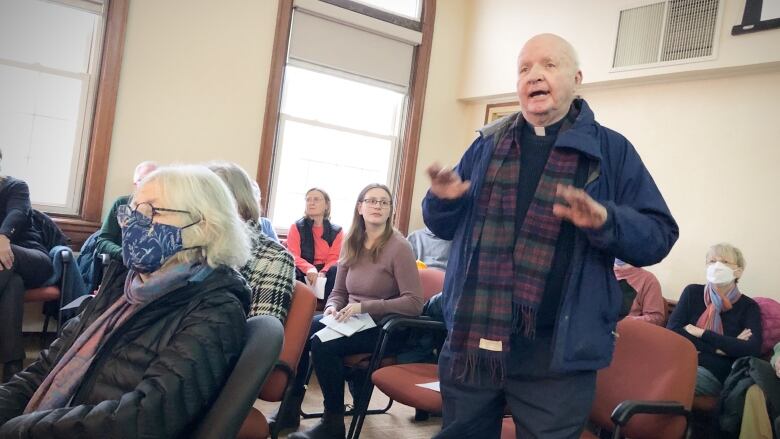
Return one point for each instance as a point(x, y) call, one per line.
point(270, 274)
point(639, 230)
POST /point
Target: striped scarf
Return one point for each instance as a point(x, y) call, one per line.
point(710, 318)
point(512, 266)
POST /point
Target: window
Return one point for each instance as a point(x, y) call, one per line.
point(406, 8)
point(344, 106)
point(336, 133)
point(49, 62)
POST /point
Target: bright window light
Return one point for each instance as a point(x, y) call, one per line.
point(336, 134)
point(406, 8)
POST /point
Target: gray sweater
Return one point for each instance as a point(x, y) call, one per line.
point(391, 285)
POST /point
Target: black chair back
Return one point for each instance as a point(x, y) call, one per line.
point(265, 335)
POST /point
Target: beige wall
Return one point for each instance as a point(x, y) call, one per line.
point(498, 29)
point(192, 86)
point(444, 124)
point(712, 146)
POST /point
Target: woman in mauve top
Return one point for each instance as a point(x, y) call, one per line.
point(377, 274)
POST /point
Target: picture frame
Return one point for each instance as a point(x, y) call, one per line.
point(497, 111)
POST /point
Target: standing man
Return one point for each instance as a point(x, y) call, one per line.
point(537, 209)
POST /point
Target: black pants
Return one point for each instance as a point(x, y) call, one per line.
point(544, 404)
point(330, 277)
point(30, 270)
point(328, 360)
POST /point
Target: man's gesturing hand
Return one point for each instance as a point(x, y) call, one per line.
point(446, 183)
point(582, 211)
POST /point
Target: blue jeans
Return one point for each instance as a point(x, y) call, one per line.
point(707, 384)
point(544, 404)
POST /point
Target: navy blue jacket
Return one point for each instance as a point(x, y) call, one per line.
point(639, 230)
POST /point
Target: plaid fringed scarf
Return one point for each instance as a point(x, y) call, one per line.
point(512, 267)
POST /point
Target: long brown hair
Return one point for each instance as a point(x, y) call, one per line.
point(356, 238)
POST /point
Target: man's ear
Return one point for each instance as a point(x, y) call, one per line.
point(578, 77)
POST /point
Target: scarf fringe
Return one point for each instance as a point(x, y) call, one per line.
point(523, 320)
point(466, 366)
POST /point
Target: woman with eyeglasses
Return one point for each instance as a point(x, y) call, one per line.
point(149, 354)
point(24, 264)
point(315, 242)
point(377, 275)
point(722, 323)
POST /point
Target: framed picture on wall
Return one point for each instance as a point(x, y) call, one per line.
point(499, 110)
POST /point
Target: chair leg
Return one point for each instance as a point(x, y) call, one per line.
point(421, 415)
point(45, 331)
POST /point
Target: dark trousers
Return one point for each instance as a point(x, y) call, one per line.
point(31, 269)
point(330, 278)
point(544, 404)
point(328, 361)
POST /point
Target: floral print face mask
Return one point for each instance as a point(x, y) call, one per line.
point(147, 245)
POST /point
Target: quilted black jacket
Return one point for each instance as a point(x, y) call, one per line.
point(153, 378)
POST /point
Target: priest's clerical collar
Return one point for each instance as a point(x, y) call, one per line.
point(551, 130)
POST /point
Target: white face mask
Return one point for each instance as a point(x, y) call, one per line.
point(719, 273)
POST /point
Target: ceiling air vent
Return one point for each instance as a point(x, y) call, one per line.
point(663, 32)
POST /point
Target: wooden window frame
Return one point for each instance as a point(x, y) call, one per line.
point(79, 227)
point(411, 134)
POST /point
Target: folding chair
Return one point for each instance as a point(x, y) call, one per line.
point(279, 384)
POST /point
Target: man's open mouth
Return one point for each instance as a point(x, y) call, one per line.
point(538, 93)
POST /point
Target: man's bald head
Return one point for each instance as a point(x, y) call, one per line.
point(142, 170)
point(560, 45)
point(547, 74)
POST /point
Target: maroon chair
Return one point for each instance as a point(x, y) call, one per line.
point(278, 387)
point(647, 390)
point(51, 294)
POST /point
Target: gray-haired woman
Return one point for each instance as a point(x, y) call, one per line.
point(148, 355)
point(270, 271)
point(722, 323)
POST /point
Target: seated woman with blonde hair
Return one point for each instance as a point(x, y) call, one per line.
point(722, 323)
point(150, 353)
point(269, 272)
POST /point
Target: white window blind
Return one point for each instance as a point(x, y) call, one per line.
point(346, 48)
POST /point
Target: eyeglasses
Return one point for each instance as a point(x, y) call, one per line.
point(146, 213)
point(373, 202)
point(714, 260)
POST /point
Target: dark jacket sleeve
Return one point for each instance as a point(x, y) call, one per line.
point(15, 394)
point(17, 209)
point(734, 347)
point(640, 228)
point(443, 216)
point(109, 240)
point(178, 386)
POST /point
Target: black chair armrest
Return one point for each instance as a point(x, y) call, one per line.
point(626, 409)
point(423, 322)
point(67, 256)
